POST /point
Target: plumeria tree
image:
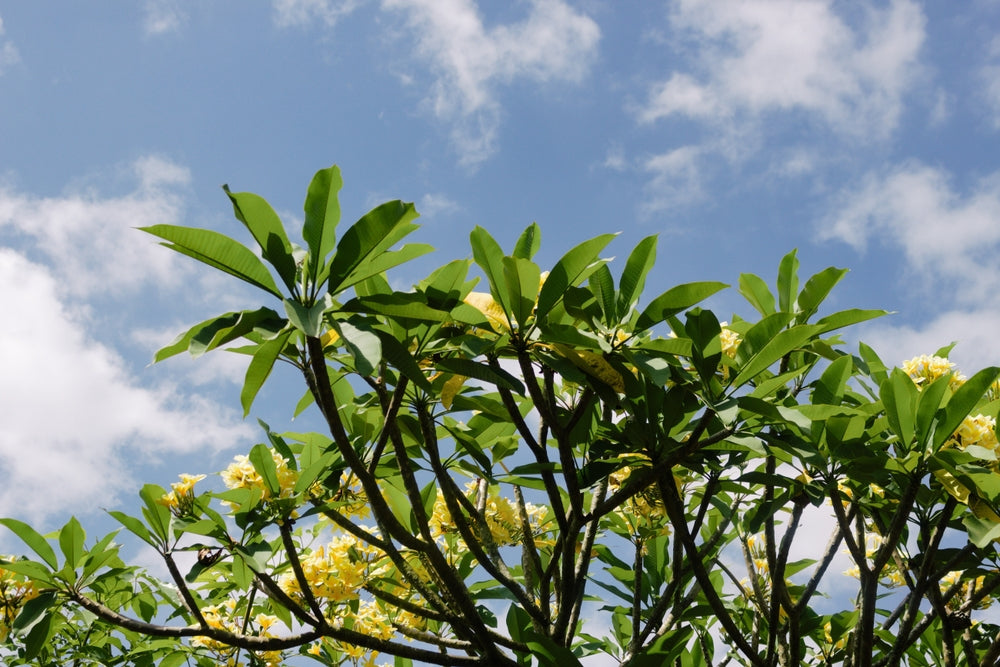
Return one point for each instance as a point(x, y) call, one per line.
point(533, 467)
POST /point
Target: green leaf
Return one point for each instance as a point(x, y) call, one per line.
point(260, 368)
point(529, 242)
point(219, 251)
point(876, 368)
point(816, 290)
point(489, 257)
point(382, 261)
point(71, 539)
point(409, 305)
point(307, 319)
point(633, 278)
point(981, 531)
point(674, 300)
point(783, 343)
point(212, 333)
point(263, 463)
point(473, 369)
point(400, 358)
point(522, 277)
point(158, 516)
point(266, 227)
point(899, 396)
point(846, 318)
point(754, 289)
point(603, 287)
point(371, 236)
point(574, 267)
point(33, 539)
point(364, 344)
point(134, 526)
point(962, 402)
point(322, 215)
point(788, 282)
point(832, 384)
point(928, 404)
point(32, 612)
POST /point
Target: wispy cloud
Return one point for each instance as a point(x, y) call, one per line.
point(470, 61)
point(300, 13)
point(9, 54)
point(948, 239)
point(759, 56)
point(433, 205)
point(162, 16)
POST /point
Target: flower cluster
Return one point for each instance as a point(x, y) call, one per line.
point(180, 499)
point(501, 515)
point(336, 571)
point(241, 474)
point(15, 590)
point(969, 588)
point(891, 576)
point(644, 513)
point(925, 369)
point(222, 617)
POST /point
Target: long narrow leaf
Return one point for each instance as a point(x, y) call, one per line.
point(376, 232)
point(260, 368)
point(633, 279)
point(788, 282)
point(267, 229)
point(489, 256)
point(754, 289)
point(529, 242)
point(473, 369)
point(815, 290)
point(33, 539)
point(218, 251)
point(674, 301)
point(322, 210)
point(573, 268)
point(783, 343)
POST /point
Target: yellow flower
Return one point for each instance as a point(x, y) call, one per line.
point(240, 474)
point(730, 341)
point(926, 369)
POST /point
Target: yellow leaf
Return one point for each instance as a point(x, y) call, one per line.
point(953, 486)
point(593, 364)
point(451, 387)
point(329, 338)
point(983, 510)
point(485, 304)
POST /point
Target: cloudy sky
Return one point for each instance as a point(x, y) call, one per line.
point(863, 133)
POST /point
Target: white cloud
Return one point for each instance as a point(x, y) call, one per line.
point(949, 241)
point(8, 52)
point(469, 60)
point(301, 13)
point(761, 56)
point(942, 233)
point(75, 421)
point(162, 16)
point(676, 179)
point(433, 205)
point(89, 239)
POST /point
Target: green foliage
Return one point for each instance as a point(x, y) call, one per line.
point(555, 449)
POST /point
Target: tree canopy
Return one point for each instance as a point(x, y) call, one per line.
point(511, 456)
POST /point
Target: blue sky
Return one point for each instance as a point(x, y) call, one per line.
point(863, 133)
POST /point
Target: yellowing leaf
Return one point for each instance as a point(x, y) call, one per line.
point(953, 486)
point(329, 338)
point(983, 510)
point(485, 304)
point(451, 387)
point(593, 364)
